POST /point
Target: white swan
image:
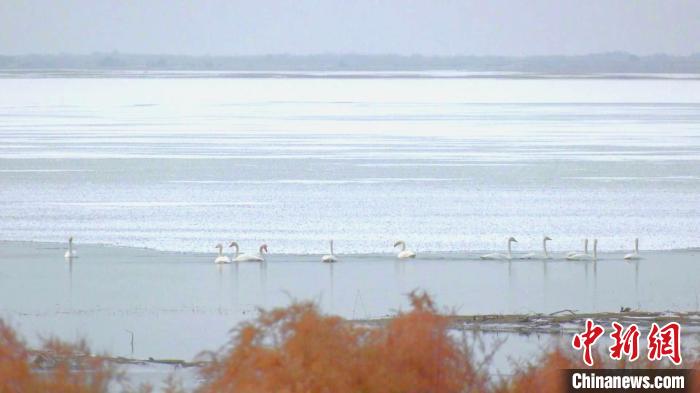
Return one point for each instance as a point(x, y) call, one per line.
point(70, 253)
point(585, 249)
point(250, 257)
point(635, 254)
point(221, 258)
point(498, 255)
point(404, 253)
point(544, 255)
point(586, 257)
point(330, 258)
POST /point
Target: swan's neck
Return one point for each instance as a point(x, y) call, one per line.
point(595, 250)
point(236, 247)
point(544, 247)
point(509, 253)
point(403, 246)
point(585, 246)
point(221, 250)
point(331, 247)
point(70, 246)
point(636, 246)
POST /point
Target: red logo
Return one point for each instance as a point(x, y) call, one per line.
point(586, 340)
point(665, 342)
point(625, 342)
point(661, 342)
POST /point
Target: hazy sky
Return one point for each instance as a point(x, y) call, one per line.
point(444, 27)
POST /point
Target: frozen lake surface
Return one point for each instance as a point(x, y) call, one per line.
point(447, 165)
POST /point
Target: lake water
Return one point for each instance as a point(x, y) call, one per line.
point(452, 166)
point(178, 304)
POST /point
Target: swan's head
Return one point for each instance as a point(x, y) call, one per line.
point(512, 239)
point(233, 244)
point(263, 249)
point(219, 246)
point(547, 238)
point(399, 243)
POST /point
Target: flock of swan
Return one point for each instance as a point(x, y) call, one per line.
point(571, 255)
point(238, 257)
point(405, 253)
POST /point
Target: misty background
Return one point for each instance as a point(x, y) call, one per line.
point(501, 35)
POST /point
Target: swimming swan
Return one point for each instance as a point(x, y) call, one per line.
point(221, 258)
point(249, 257)
point(635, 254)
point(70, 253)
point(498, 255)
point(404, 253)
point(586, 257)
point(330, 258)
point(585, 249)
point(544, 255)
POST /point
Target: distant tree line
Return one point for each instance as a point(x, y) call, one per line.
point(615, 62)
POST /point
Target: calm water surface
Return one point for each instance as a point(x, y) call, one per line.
point(181, 303)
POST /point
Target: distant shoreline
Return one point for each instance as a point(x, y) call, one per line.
point(427, 74)
point(597, 63)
